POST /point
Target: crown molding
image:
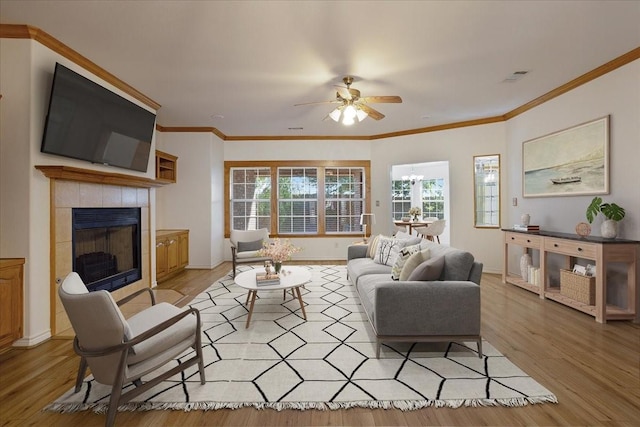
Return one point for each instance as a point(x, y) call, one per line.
point(579, 81)
point(30, 32)
point(11, 31)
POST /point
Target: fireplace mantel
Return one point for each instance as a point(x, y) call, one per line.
point(70, 173)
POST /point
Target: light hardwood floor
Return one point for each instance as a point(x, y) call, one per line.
point(593, 369)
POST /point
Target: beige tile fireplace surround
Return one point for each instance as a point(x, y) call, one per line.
point(66, 195)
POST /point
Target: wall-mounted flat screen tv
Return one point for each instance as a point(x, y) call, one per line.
point(89, 122)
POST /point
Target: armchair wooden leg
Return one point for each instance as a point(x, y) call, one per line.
point(82, 370)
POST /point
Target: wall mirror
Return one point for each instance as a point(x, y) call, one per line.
point(486, 191)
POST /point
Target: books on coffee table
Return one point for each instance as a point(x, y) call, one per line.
point(266, 280)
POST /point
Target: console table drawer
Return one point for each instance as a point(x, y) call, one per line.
point(571, 248)
point(521, 239)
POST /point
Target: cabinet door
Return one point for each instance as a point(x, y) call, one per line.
point(172, 254)
point(161, 259)
point(10, 305)
point(183, 241)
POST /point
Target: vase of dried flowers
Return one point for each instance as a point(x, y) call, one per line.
point(279, 251)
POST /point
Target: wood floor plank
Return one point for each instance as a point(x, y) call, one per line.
point(593, 369)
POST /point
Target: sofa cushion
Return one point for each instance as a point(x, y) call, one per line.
point(413, 261)
point(402, 258)
point(429, 270)
point(250, 246)
point(359, 267)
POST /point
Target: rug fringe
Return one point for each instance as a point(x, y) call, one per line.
point(403, 405)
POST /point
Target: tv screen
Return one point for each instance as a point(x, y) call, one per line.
point(89, 122)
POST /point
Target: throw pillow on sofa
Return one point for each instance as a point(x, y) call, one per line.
point(413, 262)
point(429, 270)
point(373, 245)
point(402, 258)
point(388, 249)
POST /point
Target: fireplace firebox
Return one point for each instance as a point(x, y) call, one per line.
point(106, 246)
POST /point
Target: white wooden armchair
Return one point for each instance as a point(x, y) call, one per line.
point(245, 245)
point(120, 351)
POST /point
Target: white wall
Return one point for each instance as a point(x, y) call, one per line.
point(616, 94)
point(457, 146)
point(194, 202)
point(25, 84)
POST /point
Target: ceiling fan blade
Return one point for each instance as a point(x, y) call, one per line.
point(348, 92)
point(335, 101)
point(382, 99)
point(374, 114)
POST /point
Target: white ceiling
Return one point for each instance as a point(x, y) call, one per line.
point(250, 61)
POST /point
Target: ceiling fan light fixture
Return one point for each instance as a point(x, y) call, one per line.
point(335, 114)
point(348, 121)
point(361, 114)
point(350, 112)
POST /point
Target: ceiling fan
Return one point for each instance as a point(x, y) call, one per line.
point(352, 106)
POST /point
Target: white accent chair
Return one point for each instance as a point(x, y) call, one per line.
point(245, 245)
point(121, 351)
point(433, 230)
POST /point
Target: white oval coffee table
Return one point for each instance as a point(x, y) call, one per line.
point(290, 278)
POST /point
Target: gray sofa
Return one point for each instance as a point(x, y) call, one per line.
point(410, 311)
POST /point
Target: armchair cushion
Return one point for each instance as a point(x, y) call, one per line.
point(250, 246)
point(168, 338)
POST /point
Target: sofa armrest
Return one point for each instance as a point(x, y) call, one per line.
point(356, 251)
point(427, 308)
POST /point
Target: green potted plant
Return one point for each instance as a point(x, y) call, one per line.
point(611, 211)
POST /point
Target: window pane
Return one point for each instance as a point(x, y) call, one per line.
point(433, 198)
point(400, 199)
point(345, 199)
point(297, 200)
point(250, 198)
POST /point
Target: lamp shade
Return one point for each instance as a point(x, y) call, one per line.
point(367, 219)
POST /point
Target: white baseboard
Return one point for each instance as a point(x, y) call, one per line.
point(32, 341)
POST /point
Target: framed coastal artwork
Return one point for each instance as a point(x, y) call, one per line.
point(570, 162)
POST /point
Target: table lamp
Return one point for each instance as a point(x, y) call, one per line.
point(365, 220)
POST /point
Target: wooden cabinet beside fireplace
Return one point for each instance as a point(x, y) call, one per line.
point(11, 289)
point(172, 253)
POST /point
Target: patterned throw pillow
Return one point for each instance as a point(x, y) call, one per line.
point(414, 261)
point(387, 250)
point(401, 259)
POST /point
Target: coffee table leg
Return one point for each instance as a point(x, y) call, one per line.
point(253, 300)
point(248, 295)
point(304, 313)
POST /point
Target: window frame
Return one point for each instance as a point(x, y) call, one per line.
point(321, 165)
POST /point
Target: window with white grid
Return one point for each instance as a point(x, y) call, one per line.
point(344, 199)
point(297, 200)
point(433, 198)
point(400, 199)
point(250, 198)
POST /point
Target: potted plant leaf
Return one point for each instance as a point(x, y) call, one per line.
point(611, 211)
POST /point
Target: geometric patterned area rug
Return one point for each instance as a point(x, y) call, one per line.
point(326, 362)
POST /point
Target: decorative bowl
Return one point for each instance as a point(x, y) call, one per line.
point(406, 219)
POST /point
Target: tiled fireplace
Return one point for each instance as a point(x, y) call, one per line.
point(67, 195)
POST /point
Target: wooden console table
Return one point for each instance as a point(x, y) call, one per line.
point(601, 250)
